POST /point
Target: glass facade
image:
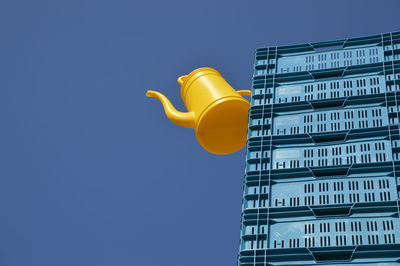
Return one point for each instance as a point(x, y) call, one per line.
point(321, 183)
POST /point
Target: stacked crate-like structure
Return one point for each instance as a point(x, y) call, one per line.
point(322, 174)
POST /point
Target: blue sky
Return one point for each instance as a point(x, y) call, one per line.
point(91, 171)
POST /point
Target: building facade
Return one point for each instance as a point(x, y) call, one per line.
point(322, 184)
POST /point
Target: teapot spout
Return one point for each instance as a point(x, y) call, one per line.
point(179, 118)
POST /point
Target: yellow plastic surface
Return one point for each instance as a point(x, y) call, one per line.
point(216, 111)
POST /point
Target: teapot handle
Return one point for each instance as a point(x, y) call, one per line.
point(244, 92)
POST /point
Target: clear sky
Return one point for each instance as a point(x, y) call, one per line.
point(91, 171)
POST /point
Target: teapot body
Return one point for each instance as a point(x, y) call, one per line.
point(220, 112)
point(216, 111)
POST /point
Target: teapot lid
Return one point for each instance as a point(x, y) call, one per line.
point(186, 80)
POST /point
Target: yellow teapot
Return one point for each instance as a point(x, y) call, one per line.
point(217, 112)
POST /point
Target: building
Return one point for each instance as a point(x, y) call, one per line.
point(322, 173)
